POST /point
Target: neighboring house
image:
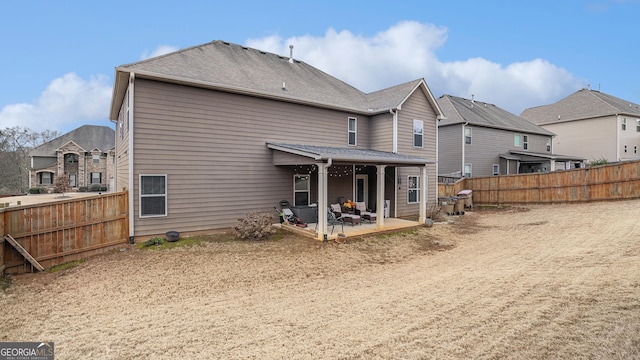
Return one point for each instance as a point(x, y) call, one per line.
point(206, 134)
point(86, 155)
point(591, 124)
point(480, 139)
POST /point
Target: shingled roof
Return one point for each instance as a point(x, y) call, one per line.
point(88, 137)
point(460, 110)
point(583, 104)
point(234, 68)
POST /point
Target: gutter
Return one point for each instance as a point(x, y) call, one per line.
point(130, 112)
point(394, 136)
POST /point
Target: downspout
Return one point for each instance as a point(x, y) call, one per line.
point(132, 232)
point(114, 173)
point(394, 146)
point(463, 144)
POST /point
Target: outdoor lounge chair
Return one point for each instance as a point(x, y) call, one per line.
point(365, 213)
point(333, 220)
point(352, 219)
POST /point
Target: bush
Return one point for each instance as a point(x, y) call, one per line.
point(97, 187)
point(254, 226)
point(601, 161)
point(37, 190)
point(62, 184)
point(82, 189)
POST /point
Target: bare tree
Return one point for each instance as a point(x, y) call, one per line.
point(15, 144)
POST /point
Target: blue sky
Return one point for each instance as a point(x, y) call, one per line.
point(57, 59)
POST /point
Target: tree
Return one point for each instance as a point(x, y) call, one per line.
point(15, 144)
point(62, 184)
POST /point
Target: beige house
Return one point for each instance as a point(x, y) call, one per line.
point(481, 139)
point(591, 124)
point(208, 133)
point(86, 155)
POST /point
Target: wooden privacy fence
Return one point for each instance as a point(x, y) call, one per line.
point(58, 232)
point(607, 182)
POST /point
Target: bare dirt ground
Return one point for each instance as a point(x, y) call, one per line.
point(541, 282)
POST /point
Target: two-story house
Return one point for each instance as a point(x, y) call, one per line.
point(86, 155)
point(481, 139)
point(208, 133)
point(591, 124)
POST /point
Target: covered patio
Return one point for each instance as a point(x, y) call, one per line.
point(323, 158)
point(351, 231)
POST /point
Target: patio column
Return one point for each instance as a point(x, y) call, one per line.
point(380, 197)
point(322, 200)
point(423, 194)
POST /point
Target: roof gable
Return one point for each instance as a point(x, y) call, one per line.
point(85, 137)
point(476, 113)
point(583, 104)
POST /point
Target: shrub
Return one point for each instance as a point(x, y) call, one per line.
point(601, 161)
point(37, 190)
point(254, 226)
point(62, 184)
point(97, 187)
point(82, 189)
point(154, 241)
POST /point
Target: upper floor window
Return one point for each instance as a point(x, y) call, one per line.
point(624, 123)
point(418, 132)
point(637, 125)
point(467, 135)
point(352, 131)
point(517, 140)
point(625, 149)
point(549, 145)
point(153, 195)
point(96, 159)
point(525, 142)
point(413, 189)
point(496, 170)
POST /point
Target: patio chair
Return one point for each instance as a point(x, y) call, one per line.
point(352, 219)
point(333, 220)
point(365, 213)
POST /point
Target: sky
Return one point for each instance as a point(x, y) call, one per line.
point(57, 58)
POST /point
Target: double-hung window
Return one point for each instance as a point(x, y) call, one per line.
point(418, 133)
point(96, 158)
point(46, 178)
point(353, 131)
point(517, 140)
point(467, 170)
point(301, 189)
point(525, 142)
point(496, 170)
point(467, 135)
point(624, 124)
point(548, 145)
point(637, 125)
point(96, 178)
point(413, 189)
point(153, 195)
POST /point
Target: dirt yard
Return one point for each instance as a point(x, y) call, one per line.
point(542, 282)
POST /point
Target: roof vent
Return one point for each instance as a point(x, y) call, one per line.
point(291, 54)
point(284, 86)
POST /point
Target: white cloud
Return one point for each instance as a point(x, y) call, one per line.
point(66, 100)
point(406, 52)
point(160, 50)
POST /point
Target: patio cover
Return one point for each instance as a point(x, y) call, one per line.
point(528, 156)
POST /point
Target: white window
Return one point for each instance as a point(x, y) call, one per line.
point(467, 170)
point(516, 140)
point(624, 123)
point(153, 195)
point(525, 142)
point(352, 132)
point(301, 190)
point(637, 125)
point(548, 145)
point(413, 189)
point(96, 178)
point(418, 132)
point(96, 158)
point(496, 169)
point(46, 178)
point(467, 135)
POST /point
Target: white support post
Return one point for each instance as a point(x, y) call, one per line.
point(380, 197)
point(423, 194)
point(322, 201)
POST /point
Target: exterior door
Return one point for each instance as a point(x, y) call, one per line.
point(362, 188)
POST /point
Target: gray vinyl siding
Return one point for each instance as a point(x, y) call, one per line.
point(212, 146)
point(450, 140)
point(381, 134)
point(488, 143)
point(416, 107)
point(590, 138)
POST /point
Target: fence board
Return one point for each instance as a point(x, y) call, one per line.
point(54, 233)
point(601, 183)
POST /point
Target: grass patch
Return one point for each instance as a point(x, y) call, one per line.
point(67, 265)
point(5, 282)
point(403, 233)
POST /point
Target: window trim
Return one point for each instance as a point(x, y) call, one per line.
point(495, 169)
point(141, 195)
point(416, 189)
point(421, 122)
point(51, 175)
point(95, 158)
point(308, 190)
point(99, 177)
point(469, 137)
point(354, 131)
point(464, 173)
